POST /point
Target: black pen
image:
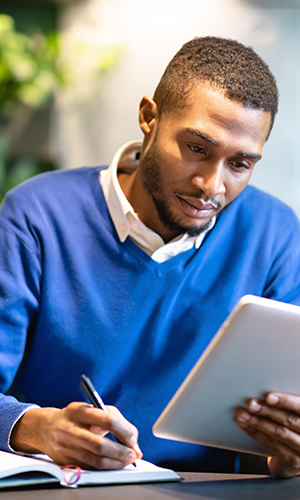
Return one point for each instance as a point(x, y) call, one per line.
point(90, 391)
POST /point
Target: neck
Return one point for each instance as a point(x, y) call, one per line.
point(142, 203)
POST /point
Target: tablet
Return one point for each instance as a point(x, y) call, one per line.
point(256, 350)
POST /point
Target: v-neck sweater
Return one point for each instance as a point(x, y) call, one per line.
point(74, 299)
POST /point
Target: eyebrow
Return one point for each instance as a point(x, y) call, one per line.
point(196, 132)
point(216, 143)
point(249, 155)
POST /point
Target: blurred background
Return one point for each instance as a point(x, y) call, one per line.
point(72, 74)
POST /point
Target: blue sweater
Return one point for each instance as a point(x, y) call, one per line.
point(74, 300)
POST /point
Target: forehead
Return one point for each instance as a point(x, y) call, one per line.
point(210, 111)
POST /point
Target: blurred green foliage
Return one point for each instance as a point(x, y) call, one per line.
point(29, 71)
point(29, 75)
point(32, 69)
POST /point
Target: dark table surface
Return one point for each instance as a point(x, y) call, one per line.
point(194, 486)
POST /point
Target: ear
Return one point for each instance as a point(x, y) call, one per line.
point(148, 116)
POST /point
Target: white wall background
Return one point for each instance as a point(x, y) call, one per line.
point(88, 130)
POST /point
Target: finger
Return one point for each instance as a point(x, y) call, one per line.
point(283, 469)
point(111, 421)
point(285, 401)
point(93, 446)
point(83, 439)
point(65, 433)
point(284, 417)
point(285, 461)
point(135, 447)
point(131, 439)
point(273, 434)
point(87, 460)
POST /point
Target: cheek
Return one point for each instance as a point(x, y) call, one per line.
point(235, 185)
point(171, 169)
point(170, 158)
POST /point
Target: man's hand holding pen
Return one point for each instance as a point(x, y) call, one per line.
point(76, 435)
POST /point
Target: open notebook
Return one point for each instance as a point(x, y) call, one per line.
point(17, 470)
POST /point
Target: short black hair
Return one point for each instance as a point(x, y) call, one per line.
point(226, 64)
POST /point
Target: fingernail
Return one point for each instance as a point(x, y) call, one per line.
point(244, 417)
point(131, 456)
point(132, 442)
point(272, 399)
point(255, 406)
point(137, 449)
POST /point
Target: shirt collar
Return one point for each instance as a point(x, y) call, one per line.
point(118, 205)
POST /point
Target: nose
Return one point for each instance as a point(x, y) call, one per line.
point(210, 179)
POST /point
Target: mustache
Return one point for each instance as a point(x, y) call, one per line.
point(199, 195)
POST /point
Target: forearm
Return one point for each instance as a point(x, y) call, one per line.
point(11, 410)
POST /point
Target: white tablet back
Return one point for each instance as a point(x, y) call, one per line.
point(256, 350)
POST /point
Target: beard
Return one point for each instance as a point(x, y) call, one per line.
point(152, 181)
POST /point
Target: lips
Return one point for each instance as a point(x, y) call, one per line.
point(199, 204)
point(196, 208)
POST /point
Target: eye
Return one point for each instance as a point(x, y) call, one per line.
point(239, 166)
point(196, 149)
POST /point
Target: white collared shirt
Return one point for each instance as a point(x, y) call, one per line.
point(127, 222)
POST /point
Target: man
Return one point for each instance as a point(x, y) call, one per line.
point(128, 279)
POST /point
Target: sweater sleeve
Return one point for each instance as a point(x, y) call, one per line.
point(20, 272)
point(283, 282)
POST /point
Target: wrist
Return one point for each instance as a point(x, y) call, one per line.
point(28, 433)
